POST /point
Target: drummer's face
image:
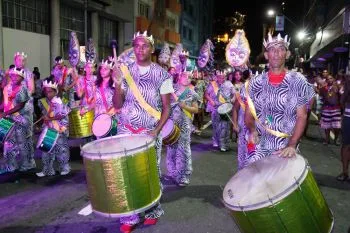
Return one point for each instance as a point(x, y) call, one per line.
point(184, 79)
point(143, 50)
point(220, 79)
point(49, 92)
point(88, 68)
point(105, 71)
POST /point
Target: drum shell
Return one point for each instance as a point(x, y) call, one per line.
point(6, 127)
point(80, 126)
point(173, 136)
point(123, 185)
point(112, 131)
point(48, 141)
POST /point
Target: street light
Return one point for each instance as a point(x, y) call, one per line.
point(301, 35)
point(270, 13)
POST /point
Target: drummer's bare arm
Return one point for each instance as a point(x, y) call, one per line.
point(17, 108)
point(119, 95)
point(164, 116)
point(290, 149)
point(210, 100)
point(192, 109)
point(250, 123)
point(75, 79)
point(235, 110)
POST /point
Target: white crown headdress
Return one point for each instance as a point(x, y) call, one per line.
point(20, 54)
point(17, 71)
point(59, 61)
point(185, 53)
point(50, 84)
point(108, 63)
point(276, 40)
point(144, 35)
point(219, 72)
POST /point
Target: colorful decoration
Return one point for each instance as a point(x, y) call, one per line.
point(238, 50)
point(74, 50)
point(206, 56)
point(90, 51)
point(175, 58)
point(164, 55)
point(127, 57)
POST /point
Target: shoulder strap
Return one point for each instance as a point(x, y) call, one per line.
point(136, 92)
point(51, 114)
point(216, 90)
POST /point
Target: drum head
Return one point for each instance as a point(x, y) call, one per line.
point(265, 181)
point(41, 137)
point(102, 124)
point(167, 128)
point(117, 146)
point(225, 108)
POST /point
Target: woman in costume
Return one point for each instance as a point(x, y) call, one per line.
point(55, 115)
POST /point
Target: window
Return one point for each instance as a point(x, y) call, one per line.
point(108, 32)
point(71, 19)
point(171, 23)
point(190, 34)
point(184, 32)
point(143, 9)
point(27, 15)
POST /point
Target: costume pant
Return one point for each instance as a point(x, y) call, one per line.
point(60, 152)
point(27, 156)
point(221, 130)
point(242, 154)
point(156, 211)
point(178, 156)
point(19, 147)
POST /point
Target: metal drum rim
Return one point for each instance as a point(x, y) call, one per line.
point(275, 198)
point(110, 155)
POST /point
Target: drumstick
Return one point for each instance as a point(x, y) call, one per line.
point(38, 120)
point(114, 48)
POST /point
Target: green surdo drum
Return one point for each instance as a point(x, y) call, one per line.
point(277, 195)
point(6, 127)
point(122, 174)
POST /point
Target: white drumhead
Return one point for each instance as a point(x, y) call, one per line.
point(272, 178)
point(225, 108)
point(101, 125)
point(117, 146)
point(167, 128)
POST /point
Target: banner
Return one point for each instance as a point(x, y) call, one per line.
point(279, 23)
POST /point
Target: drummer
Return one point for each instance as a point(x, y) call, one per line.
point(104, 89)
point(220, 91)
point(279, 97)
point(179, 159)
point(55, 115)
point(155, 85)
point(17, 108)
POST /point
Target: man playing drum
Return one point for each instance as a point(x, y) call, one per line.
point(220, 92)
point(277, 104)
point(55, 114)
point(154, 85)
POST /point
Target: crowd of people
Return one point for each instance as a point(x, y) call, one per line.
point(268, 112)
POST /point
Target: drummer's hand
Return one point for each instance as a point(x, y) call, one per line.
point(82, 111)
point(286, 152)
point(117, 76)
point(254, 137)
point(2, 115)
point(182, 104)
point(153, 133)
point(235, 128)
point(212, 103)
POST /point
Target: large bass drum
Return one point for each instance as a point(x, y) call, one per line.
point(122, 174)
point(275, 195)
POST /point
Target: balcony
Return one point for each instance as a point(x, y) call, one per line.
point(172, 36)
point(142, 23)
point(173, 6)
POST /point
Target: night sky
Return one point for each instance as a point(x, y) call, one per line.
point(255, 12)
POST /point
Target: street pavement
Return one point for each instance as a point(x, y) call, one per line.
point(51, 204)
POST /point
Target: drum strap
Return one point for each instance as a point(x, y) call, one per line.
point(240, 101)
point(180, 98)
point(8, 100)
point(149, 109)
point(47, 107)
point(216, 91)
point(253, 111)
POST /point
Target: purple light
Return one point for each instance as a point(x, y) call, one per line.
point(328, 55)
point(321, 59)
point(340, 49)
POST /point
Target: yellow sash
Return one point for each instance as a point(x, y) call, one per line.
point(216, 90)
point(252, 110)
point(51, 114)
point(240, 101)
point(187, 113)
point(149, 109)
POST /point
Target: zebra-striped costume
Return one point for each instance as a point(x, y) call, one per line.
point(134, 119)
point(20, 143)
point(221, 128)
point(99, 105)
point(179, 159)
point(61, 149)
point(276, 107)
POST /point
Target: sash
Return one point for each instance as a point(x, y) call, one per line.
point(8, 100)
point(253, 111)
point(55, 124)
point(216, 91)
point(240, 101)
point(136, 92)
point(181, 97)
point(104, 100)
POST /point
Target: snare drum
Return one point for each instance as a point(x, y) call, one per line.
point(47, 139)
point(170, 132)
point(6, 127)
point(104, 125)
point(122, 174)
point(277, 195)
point(224, 110)
point(80, 126)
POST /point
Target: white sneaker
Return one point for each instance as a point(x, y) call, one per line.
point(215, 145)
point(64, 173)
point(223, 149)
point(40, 174)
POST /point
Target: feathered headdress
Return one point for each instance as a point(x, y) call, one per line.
point(277, 40)
point(144, 35)
point(164, 55)
point(205, 59)
point(238, 50)
point(74, 50)
point(90, 52)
